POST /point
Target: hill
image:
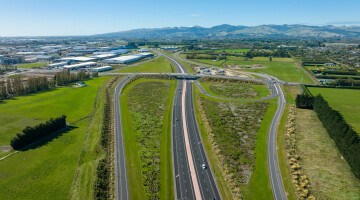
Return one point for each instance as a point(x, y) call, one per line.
point(229, 31)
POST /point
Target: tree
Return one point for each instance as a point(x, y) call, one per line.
point(270, 58)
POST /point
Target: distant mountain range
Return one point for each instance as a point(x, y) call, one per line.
point(229, 31)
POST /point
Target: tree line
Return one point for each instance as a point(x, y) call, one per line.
point(18, 86)
point(30, 135)
point(204, 56)
point(65, 77)
point(277, 53)
point(345, 138)
point(7, 67)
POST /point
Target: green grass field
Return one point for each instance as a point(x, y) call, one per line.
point(210, 62)
point(46, 170)
point(18, 112)
point(329, 174)
point(236, 90)
point(283, 68)
point(345, 101)
point(160, 65)
point(143, 141)
point(31, 65)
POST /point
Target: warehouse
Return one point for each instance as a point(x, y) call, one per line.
point(76, 59)
point(80, 65)
point(123, 59)
point(103, 56)
point(145, 55)
point(101, 69)
point(57, 65)
point(144, 50)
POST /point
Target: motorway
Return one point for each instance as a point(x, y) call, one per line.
point(273, 165)
point(191, 180)
point(121, 183)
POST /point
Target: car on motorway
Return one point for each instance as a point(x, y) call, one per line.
point(204, 166)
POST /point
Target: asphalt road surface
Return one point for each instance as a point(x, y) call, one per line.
point(205, 185)
point(121, 184)
point(273, 165)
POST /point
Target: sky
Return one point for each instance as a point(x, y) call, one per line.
point(87, 17)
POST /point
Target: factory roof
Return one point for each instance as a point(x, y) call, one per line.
point(79, 65)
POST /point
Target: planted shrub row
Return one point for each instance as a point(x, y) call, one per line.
point(32, 134)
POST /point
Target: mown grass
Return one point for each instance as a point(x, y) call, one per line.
point(329, 174)
point(345, 101)
point(160, 65)
point(18, 112)
point(147, 136)
point(283, 68)
point(235, 90)
point(31, 65)
point(46, 170)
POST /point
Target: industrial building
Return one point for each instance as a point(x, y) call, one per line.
point(169, 48)
point(57, 65)
point(144, 55)
point(103, 56)
point(80, 65)
point(123, 59)
point(144, 50)
point(76, 59)
point(102, 69)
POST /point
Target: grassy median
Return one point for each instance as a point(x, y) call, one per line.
point(146, 115)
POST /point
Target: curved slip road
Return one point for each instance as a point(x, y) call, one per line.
point(121, 183)
point(184, 187)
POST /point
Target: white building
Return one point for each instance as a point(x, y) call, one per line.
point(123, 59)
point(143, 50)
point(76, 59)
point(80, 65)
point(103, 56)
point(101, 69)
point(57, 65)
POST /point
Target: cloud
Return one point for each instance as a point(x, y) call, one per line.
point(195, 15)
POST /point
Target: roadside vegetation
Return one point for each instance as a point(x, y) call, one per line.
point(46, 169)
point(235, 89)
point(235, 141)
point(159, 65)
point(146, 108)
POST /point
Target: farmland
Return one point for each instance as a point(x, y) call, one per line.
point(18, 112)
point(160, 65)
point(329, 174)
point(46, 170)
point(235, 142)
point(147, 108)
point(345, 101)
point(283, 68)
